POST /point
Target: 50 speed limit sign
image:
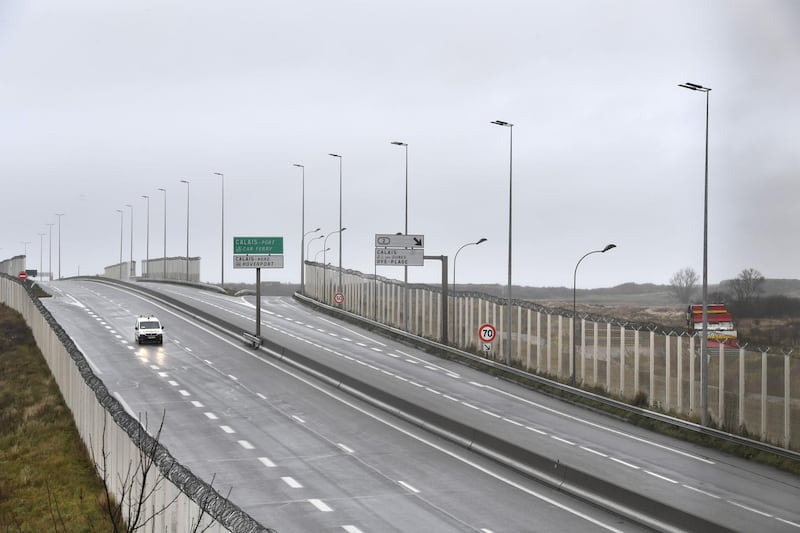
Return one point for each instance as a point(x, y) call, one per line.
point(487, 333)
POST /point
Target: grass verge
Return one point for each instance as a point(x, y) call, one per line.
point(47, 480)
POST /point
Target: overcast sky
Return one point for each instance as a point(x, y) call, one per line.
point(103, 102)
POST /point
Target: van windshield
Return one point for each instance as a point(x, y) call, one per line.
point(149, 325)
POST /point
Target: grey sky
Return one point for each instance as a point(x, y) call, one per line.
point(104, 102)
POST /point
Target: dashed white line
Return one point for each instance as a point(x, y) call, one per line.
point(197, 404)
point(345, 448)
point(206, 361)
point(659, 476)
point(376, 349)
point(513, 422)
point(491, 413)
point(246, 445)
point(620, 461)
point(185, 392)
point(702, 492)
point(299, 419)
point(401, 378)
point(433, 390)
point(470, 405)
point(154, 367)
point(320, 505)
point(227, 429)
point(795, 524)
point(211, 416)
point(351, 529)
point(261, 396)
point(173, 383)
point(234, 378)
point(746, 508)
point(601, 454)
point(450, 398)
point(266, 462)
point(292, 482)
point(163, 374)
point(539, 431)
point(559, 439)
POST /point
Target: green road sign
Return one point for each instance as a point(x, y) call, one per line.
point(258, 245)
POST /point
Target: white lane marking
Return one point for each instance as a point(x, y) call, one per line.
point(408, 487)
point(601, 454)
point(418, 385)
point(412, 361)
point(185, 392)
point(702, 492)
point(234, 378)
point(429, 367)
point(351, 529)
point(206, 361)
point(484, 530)
point(299, 419)
point(596, 425)
point(154, 367)
point(513, 422)
point(292, 482)
point(491, 413)
point(393, 355)
point(795, 524)
point(118, 336)
point(227, 429)
point(361, 344)
point(128, 347)
point(345, 448)
point(379, 350)
point(559, 439)
point(470, 405)
point(354, 332)
point(659, 476)
point(401, 378)
point(620, 461)
point(211, 416)
point(746, 508)
point(96, 370)
point(450, 398)
point(266, 462)
point(246, 445)
point(187, 349)
point(163, 374)
point(125, 405)
point(197, 404)
point(433, 391)
point(173, 383)
point(261, 396)
point(320, 505)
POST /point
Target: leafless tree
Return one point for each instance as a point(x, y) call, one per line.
point(747, 285)
point(682, 284)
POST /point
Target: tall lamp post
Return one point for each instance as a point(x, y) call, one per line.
point(324, 260)
point(164, 260)
point(132, 267)
point(510, 189)
point(147, 250)
point(704, 334)
point(25, 249)
point(479, 241)
point(50, 256)
point(405, 267)
point(574, 308)
point(222, 233)
point(120, 243)
point(341, 229)
point(59, 215)
point(41, 249)
point(302, 226)
point(187, 228)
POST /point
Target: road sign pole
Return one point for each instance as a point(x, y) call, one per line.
point(258, 303)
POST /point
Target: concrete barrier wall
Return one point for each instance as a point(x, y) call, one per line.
point(752, 391)
point(106, 428)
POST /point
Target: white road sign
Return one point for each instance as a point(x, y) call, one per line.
point(390, 240)
point(399, 257)
point(257, 261)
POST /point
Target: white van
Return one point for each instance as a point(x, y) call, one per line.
point(148, 329)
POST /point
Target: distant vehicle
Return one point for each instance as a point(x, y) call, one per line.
point(148, 329)
point(720, 324)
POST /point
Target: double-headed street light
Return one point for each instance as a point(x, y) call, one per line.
point(341, 229)
point(510, 176)
point(187, 228)
point(704, 334)
point(574, 310)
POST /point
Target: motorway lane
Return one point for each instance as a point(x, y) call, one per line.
point(298, 455)
point(735, 492)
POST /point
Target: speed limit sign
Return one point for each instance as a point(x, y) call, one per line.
point(487, 333)
point(338, 298)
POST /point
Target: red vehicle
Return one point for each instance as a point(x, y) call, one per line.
point(720, 324)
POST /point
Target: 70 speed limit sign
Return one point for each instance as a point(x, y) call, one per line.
point(487, 333)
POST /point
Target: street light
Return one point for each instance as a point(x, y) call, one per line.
point(132, 268)
point(510, 176)
point(341, 229)
point(302, 226)
point(308, 246)
point(324, 260)
point(41, 237)
point(164, 260)
point(50, 256)
point(574, 311)
point(317, 254)
point(405, 267)
point(147, 251)
point(222, 234)
point(59, 215)
point(479, 241)
point(120, 243)
point(187, 228)
point(704, 334)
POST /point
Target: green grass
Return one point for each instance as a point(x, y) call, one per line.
point(47, 480)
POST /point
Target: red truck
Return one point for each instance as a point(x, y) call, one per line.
point(720, 324)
